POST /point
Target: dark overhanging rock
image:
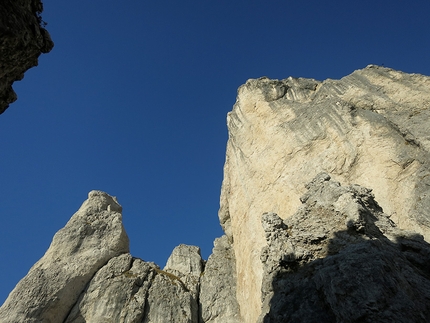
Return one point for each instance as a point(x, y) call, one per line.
point(22, 39)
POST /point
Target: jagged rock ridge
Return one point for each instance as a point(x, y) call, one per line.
point(88, 275)
point(323, 252)
point(22, 39)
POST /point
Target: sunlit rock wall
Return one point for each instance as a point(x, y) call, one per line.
point(369, 128)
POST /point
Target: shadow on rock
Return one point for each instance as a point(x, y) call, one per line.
point(339, 258)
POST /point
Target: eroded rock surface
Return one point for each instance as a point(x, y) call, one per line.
point(218, 302)
point(92, 237)
point(291, 253)
point(130, 290)
point(117, 293)
point(187, 263)
point(369, 128)
point(339, 258)
point(88, 275)
point(22, 39)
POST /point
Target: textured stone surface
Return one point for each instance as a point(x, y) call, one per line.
point(92, 236)
point(117, 293)
point(369, 128)
point(186, 260)
point(218, 302)
point(169, 300)
point(22, 40)
point(187, 263)
point(339, 258)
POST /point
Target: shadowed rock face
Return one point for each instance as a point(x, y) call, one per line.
point(22, 40)
point(369, 128)
point(339, 258)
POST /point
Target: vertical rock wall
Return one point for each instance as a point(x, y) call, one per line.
point(340, 257)
point(369, 128)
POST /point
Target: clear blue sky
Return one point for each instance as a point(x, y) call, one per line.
point(132, 100)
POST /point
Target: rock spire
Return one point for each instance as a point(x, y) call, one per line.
point(325, 207)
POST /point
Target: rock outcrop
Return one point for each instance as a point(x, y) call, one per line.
point(92, 237)
point(321, 252)
point(218, 302)
point(88, 275)
point(22, 39)
point(130, 290)
point(369, 128)
point(339, 258)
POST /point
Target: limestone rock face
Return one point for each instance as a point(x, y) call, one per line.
point(339, 258)
point(187, 263)
point(130, 290)
point(321, 252)
point(218, 302)
point(89, 240)
point(88, 275)
point(185, 260)
point(117, 293)
point(369, 128)
point(22, 40)
point(169, 300)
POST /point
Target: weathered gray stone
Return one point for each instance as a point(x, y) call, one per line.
point(186, 260)
point(339, 258)
point(92, 236)
point(22, 39)
point(169, 300)
point(187, 263)
point(369, 128)
point(218, 302)
point(130, 290)
point(116, 294)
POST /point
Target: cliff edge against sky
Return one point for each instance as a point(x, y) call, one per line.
point(324, 206)
point(369, 128)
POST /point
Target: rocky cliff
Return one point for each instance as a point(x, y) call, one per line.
point(22, 39)
point(369, 128)
point(305, 238)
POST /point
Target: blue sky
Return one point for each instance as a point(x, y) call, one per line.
point(133, 98)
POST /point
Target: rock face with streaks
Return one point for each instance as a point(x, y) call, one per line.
point(370, 128)
point(22, 39)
